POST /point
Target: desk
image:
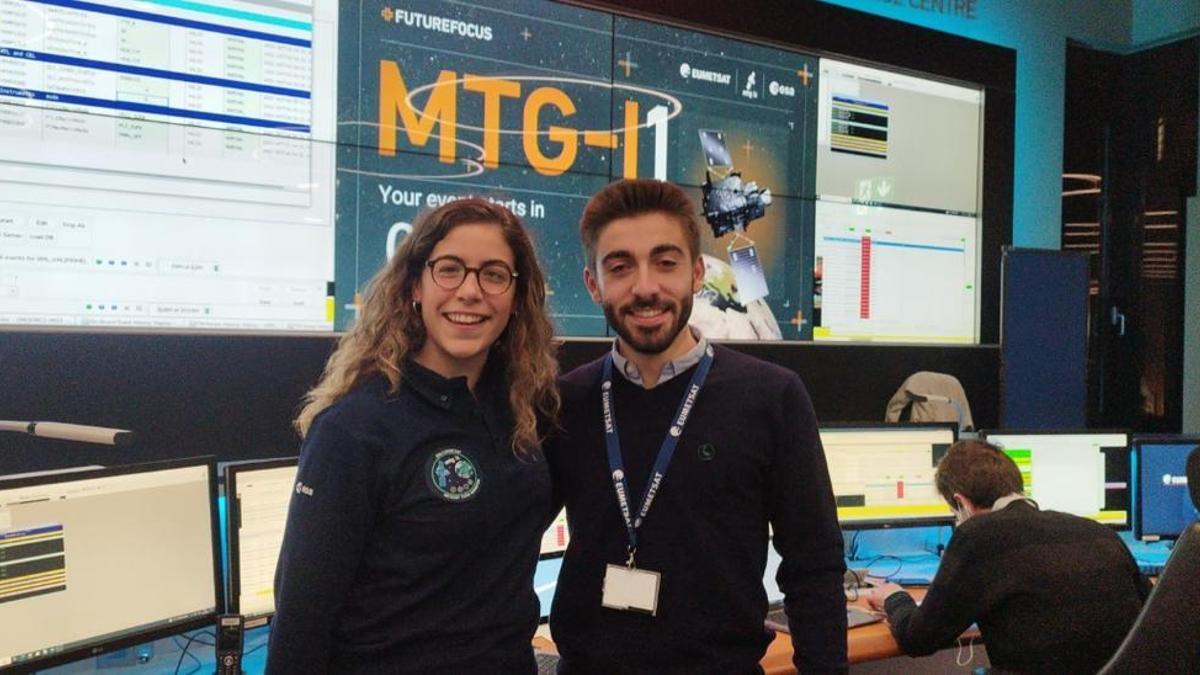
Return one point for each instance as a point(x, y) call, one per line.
point(865, 643)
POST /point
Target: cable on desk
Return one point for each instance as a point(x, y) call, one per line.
point(890, 575)
point(184, 652)
point(970, 654)
point(854, 545)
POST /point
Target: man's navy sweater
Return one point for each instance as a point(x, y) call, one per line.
point(412, 536)
point(749, 455)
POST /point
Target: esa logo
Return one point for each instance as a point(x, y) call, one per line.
point(302, 489)
point(777, 89)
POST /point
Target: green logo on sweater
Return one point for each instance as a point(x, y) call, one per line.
point(454, 475)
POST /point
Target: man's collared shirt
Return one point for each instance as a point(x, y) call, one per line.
point(631, 372)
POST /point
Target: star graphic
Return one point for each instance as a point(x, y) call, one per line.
point(387, 13)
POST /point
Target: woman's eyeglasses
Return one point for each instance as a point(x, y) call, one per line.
point(449, 273)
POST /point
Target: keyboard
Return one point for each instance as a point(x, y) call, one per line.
point(547, 663)
point(777, 618)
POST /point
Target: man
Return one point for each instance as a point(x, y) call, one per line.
point(674, 457)
point(1051, 592)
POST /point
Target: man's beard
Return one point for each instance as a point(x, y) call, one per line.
point(658, 341)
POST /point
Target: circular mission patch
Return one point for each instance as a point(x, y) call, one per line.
point(453, 475)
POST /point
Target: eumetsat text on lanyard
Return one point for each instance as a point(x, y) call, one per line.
point(627, 587)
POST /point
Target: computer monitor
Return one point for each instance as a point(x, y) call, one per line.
point(545, 582)
point(1083, 472)
point(1163, 505)
point(555, 538)
point(258, 494)
point(97, 560)
point(883, 473)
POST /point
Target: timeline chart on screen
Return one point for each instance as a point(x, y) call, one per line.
point(32, 562)
point(177, 173)
point(882, 474)
point(210, 69)
point(1085, 473)
point(895, 275)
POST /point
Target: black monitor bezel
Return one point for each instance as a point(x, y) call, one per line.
point(892, 524)
point(233, 515)
point(104, 646)
point(1128, 524)
point(1135, 449)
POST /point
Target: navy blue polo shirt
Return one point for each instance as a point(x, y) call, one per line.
point(412, 535)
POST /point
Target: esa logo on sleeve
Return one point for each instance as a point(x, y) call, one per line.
point(453, 475)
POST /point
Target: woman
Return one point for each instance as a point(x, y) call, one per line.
point(421, 494)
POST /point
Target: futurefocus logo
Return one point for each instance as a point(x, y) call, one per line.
point(439, 24)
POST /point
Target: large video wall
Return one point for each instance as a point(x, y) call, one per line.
point(248, 165)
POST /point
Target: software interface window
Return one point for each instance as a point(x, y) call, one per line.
point(885, 476)
point(262, 498)
point(167, 164)
point(556, 537)
point(897, 213)
point(84, 561)
point(1165, 505)
point(1086, 474)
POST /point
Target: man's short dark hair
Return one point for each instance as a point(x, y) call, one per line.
point(631, 198)
point(978, 471)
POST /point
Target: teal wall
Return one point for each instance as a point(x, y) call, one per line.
point(1159, 21)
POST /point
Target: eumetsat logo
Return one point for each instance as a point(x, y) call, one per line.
point(439, 24)
point(687, 72)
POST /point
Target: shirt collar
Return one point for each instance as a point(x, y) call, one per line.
point(442, 391)
point(631, 372)
point(1010, 499)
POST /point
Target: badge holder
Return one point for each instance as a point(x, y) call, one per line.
point(629, 589)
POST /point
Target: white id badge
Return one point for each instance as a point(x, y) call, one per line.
point(630, 589)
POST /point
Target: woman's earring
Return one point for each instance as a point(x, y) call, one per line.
point(416, 305)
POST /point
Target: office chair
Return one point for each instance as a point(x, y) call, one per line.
point(1166, 636)
point(927, 396)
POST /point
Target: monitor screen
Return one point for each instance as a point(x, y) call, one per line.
point(899, 161)
point(91, 561)
point(883, 474)
point(556, 537)
point(258, 494)
point(168, 166)
point(1085, 473)
point(1164, 506)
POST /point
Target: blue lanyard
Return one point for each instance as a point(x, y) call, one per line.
point(613, 444)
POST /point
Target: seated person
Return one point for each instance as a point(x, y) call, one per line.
point(1051, 592)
